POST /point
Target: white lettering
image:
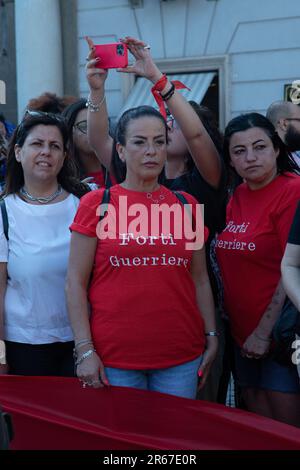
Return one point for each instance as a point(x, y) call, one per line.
point(162, 260)
point(141, 240)
point(114, 261)
point(235, 245)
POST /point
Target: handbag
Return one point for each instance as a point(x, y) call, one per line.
point(284, 334)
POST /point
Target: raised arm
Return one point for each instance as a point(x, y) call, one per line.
point(82, 253)
point(200, 145)
point(97, 116)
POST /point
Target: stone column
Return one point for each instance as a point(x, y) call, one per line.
point(38, 49)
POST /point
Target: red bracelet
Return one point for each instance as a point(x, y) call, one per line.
point(160, 84)
point(158, 88)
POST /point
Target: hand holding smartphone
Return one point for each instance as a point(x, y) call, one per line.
point(113, 56)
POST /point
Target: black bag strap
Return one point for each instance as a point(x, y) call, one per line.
point(104, 203)
point(180, 197)
point(4, 217)
point(183, 200)
point(107, 180)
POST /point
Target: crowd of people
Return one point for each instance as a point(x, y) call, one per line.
point(109, 269)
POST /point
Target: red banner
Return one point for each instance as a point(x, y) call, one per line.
point(57, 413)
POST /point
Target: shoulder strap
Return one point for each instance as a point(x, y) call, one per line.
point(183, 201)
point(107, 180)
point(104, 203)
point(4, 217)
point(180, 197)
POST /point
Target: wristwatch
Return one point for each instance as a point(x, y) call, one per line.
point(2, 352)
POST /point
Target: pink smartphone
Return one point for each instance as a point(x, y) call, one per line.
point(113, 56)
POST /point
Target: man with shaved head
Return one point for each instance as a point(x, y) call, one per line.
point(285, 116)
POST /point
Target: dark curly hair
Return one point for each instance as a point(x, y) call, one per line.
point(67, 176)
point(50, 103)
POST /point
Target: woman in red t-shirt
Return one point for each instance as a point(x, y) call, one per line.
point(152, 320)
point(249, 252)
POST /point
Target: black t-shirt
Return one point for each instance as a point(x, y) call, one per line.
point(214, 200)
point(294, 235)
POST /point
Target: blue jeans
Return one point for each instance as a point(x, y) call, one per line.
point(179, 380)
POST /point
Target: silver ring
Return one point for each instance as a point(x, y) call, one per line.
point(147, 47)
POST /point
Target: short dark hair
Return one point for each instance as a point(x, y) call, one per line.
point(136, 113)
point(67, 175)
point(243, 122)
point(119, 167)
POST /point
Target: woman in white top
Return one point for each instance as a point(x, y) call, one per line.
point(41, 197)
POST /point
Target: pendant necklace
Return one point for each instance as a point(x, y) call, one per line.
point(160, 198)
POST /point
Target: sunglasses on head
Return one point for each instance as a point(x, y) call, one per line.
point(55, 117)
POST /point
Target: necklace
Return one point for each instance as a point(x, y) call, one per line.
point(41, 200)
point(161, 197)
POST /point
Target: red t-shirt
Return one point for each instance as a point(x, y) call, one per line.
point(250, 249)
point(142, 295)
point(99, 177)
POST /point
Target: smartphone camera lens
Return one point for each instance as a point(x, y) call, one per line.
point(120, 49)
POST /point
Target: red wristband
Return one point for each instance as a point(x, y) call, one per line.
point(158, 88)
point(160, 84)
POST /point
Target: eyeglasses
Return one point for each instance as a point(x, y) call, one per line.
point(81, 126)
point(292, 119)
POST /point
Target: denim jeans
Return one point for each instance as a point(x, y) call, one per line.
point(179, 380)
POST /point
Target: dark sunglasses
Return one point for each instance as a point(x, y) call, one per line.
point(56, 117)
point(81, 126)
